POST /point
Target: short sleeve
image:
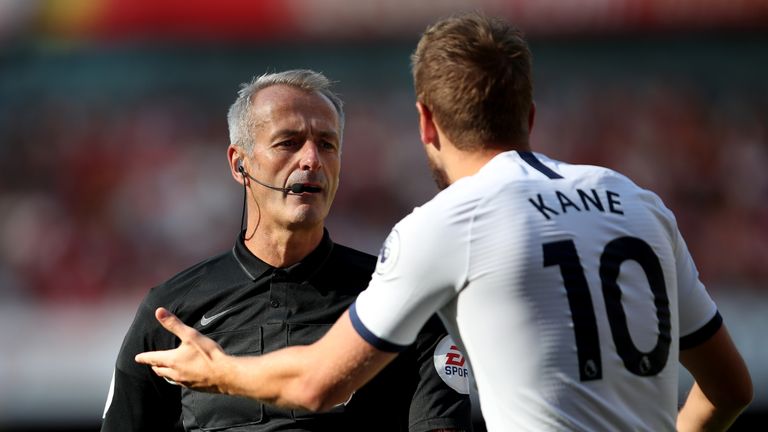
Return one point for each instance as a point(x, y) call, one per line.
point(420, 267)
point(699, 318)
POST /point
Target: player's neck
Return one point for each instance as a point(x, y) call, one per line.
point(280, 247)
point(462, 163)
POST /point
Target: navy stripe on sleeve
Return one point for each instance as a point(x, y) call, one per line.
point(703, 334)
point(371, 338)
point(533, 161)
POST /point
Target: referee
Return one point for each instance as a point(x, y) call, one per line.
point(284, 283)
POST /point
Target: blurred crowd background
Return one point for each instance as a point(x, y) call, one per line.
point(113, 171)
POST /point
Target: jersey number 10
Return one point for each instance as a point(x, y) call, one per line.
point(563, 254)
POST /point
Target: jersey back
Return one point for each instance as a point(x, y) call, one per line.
point(560, 282)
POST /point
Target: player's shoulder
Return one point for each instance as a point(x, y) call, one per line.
point(460, 198)
point(583, 175)
point(452, 208)
point(507, 173)
point(592, 176)
point(611, 178)
point(575, 172)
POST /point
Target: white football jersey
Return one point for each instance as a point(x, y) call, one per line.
point(569, 288)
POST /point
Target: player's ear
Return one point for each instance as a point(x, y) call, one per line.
point(531, 117)
point(427, 127)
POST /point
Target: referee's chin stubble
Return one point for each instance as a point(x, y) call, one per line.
point(307, 214)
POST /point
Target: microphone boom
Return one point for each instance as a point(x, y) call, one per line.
point(295, 188)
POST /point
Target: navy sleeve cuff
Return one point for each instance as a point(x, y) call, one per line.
point(371, 338)
point(703, 334)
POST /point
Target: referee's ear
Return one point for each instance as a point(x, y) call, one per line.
point(235, 158)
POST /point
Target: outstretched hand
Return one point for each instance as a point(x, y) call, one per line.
point(193, 364)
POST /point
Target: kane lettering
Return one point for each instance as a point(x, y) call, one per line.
point(590, 200)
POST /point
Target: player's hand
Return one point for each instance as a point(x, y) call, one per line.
point(193, 364)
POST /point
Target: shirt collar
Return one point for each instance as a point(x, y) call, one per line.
point(254, 268)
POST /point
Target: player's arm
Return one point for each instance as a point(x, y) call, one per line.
point(314, 377)
point(722, 387)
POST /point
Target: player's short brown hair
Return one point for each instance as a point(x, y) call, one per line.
point(474, 74)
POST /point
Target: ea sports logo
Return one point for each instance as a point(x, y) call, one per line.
point(451, 365)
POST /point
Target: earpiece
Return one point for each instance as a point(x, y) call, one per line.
point(240, 167)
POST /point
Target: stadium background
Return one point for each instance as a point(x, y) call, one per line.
point(113, 174)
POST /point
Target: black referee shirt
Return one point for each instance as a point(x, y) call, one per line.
point(249, 307)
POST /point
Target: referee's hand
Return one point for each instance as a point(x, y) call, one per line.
point(193, 364)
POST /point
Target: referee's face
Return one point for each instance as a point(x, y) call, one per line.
point(296, 140)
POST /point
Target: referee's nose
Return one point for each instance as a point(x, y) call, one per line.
point(310, 156)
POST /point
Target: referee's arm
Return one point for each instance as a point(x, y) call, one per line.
point(137, 405)
point(138, 399)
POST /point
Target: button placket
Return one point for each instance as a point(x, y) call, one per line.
point(277, 291)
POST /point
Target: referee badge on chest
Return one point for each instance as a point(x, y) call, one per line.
point(451, 365)
point(389, 253)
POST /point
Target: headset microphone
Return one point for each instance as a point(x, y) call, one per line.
point(298, 188)
point(295, 188)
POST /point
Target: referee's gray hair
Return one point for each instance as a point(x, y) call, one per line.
point(240, 121)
